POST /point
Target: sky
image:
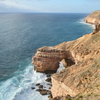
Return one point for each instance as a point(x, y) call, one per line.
point(50, 6)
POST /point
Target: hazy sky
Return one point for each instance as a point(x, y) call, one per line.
point(58, 6)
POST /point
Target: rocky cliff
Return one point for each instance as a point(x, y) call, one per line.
point(47, 59)
point(81, 79)
point(94, 18)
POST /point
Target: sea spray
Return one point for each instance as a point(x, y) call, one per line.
point(29, 94)
point(11, 88)
point(89, 25)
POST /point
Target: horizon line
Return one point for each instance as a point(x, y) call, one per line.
point(46, 12)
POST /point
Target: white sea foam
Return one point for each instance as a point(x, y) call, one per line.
point(82, 22)
point(20, 86)
point(30, 94)
point(61, 67)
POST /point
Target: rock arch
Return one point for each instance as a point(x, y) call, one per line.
point(47, 59)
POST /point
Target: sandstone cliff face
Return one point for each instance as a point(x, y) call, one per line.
point(81, 77)
point(94, 18)
point(81, 80)
point(47, 59)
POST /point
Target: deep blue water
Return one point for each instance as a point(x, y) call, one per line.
point(22, 34)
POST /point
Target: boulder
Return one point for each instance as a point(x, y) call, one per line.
point(32, 87)
point(37, 84)
point(48, 80)
point(43, 92)
point(40, 86)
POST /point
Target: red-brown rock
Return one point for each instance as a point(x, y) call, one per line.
point(47, 59)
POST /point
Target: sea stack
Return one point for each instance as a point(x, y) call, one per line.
point(47, 59)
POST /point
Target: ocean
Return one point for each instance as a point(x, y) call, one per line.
point(21, 34)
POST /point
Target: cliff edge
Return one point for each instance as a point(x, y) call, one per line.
point(47, 59)
point(80, 80)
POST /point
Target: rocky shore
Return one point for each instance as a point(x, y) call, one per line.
point(44, 89)
point(83, 77)
point(80, 80)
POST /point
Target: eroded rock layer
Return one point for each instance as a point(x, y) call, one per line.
point(94, 18)
point(80, 80)
point(47, 59)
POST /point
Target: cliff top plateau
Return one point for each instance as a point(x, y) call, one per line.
point(82, 80)
point(93, 18)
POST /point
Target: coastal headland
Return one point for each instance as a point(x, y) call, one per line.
point(80, 80)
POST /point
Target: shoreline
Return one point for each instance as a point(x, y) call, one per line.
point(83, 56)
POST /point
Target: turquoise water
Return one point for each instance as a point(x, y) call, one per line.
point(20, 36)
